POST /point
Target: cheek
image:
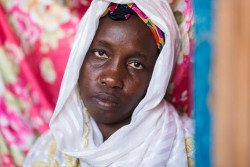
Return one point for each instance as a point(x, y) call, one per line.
point(88, 72)
point(137, 89)
point(86, 78)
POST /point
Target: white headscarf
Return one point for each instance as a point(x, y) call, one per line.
point(155, 136)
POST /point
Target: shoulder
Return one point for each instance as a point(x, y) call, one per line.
point(45, 153)
point(188, 130)
point(40, 150)
point(183, 122)
point(183, 147)
point(188, 126)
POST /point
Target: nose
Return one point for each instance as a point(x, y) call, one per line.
point(111, 76)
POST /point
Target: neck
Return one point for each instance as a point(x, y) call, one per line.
point(108, 129)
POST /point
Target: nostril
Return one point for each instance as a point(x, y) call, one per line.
point(103, 83)
point(111, 81)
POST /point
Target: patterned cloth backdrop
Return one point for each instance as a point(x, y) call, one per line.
point(35, 41)
point(180, 88)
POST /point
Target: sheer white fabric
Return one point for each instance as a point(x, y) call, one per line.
point(156, 135)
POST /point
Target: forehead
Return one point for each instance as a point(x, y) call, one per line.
point(131, 33)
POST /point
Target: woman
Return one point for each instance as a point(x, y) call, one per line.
point(111, 109)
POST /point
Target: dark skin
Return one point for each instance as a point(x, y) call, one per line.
point(116, 72)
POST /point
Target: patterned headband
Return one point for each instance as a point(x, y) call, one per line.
point(123, 12)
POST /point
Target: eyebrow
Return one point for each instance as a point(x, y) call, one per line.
point(138, 54)
point(103, 43)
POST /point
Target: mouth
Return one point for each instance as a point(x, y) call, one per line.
point(106, 101)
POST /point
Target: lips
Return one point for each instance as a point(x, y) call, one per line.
point(106, 101)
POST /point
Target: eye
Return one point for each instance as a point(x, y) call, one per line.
point(100, 54)
point(136, 65)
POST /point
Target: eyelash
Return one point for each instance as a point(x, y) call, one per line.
point(102, 54)
point(138, 63)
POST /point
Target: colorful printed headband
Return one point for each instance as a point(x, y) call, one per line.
point(123, 12)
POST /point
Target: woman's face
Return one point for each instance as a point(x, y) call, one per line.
point(117, 69)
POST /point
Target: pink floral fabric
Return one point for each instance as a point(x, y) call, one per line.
point(35, 41)
point(180, 88)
